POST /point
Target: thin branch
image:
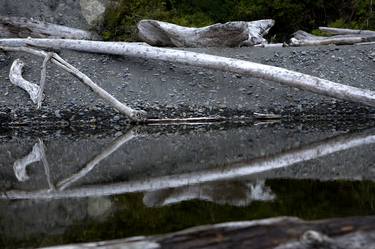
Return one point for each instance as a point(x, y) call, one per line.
point(43, 75)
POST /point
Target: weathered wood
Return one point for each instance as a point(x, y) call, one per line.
point(277, 74)
point(231, 171)
point(338, 31)
point(15, 77)
point(12, 27)
point(274, 233)
point(230, 34)
point(302, 38)
point(35, 91)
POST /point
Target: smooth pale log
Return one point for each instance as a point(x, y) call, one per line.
point(12, 27)
point(330, 41)
point(273, 233)
point(272, 73)
point(338, 31)
point(15, 77)
point(233, 171)
point(230, 34)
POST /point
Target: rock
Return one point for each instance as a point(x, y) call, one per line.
point(93, 10)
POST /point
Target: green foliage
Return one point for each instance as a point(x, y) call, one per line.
point(290, 15)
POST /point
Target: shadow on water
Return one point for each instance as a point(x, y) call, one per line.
point(59, 189)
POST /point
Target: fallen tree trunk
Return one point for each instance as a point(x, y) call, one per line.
point(277, 74)
point(337, 31)
point(12, 27)
point(302, 38)
point(230, 34)
point(274, 233)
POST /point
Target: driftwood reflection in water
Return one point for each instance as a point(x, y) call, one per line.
point(236, 193)
point(232, 171)
point(37, 154)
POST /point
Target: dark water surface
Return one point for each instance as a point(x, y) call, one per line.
point(66, 186)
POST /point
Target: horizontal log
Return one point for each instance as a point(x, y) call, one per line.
point(274, 233)
point(338, 31)
point(272, 73)
point(12, 27)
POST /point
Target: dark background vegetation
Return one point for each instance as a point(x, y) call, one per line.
point(290, 15)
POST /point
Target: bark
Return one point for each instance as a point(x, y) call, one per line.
point(13, 27)
point(274, 233)
point(230, 34)
point(231, 171)
point(276, 74)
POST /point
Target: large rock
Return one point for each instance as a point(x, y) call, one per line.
point(230, 34)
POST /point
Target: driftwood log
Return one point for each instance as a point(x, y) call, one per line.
point(276, 74)
point(274, 233)
point(13, 27)
point(302, 38)
point(230, 34)
point(337, 31)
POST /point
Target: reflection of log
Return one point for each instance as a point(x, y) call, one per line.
point(23, 27)
point(337, 31)
point(230, 34)
point(275, 233)
point(20, 165)
point(230, 193)
point(232, 171)
point(281, 75)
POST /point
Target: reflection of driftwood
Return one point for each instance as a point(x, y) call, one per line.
point(96, 160)
point(232, 171)
point(35, 91)
point(230, 34)
point(23, 27)
point(37, 154)
point(230, 193)
point(281, 75)
point(275, 233)
point(302, 38)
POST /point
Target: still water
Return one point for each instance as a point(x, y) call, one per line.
point(64, 186)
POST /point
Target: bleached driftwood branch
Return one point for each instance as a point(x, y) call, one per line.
point(234, 170)
point(11, 27)
point(230, 34)
point(35, 91)
point(276, 74)
point(273, 233)
point(302, 38)
point(15, 76)
point(338, 31)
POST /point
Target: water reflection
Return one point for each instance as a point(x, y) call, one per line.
point(149, 181)
point(231, 170)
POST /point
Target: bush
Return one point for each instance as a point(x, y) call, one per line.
point(290, 15)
